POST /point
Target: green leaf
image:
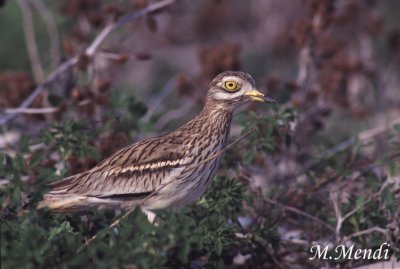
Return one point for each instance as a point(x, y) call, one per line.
point(25, 141)
point(55, 100)
point(35, 160)
point(218, 247)
point(91, 151)
point(397, 127)
point(249, 155)
point(19, 162)
point(388, 196)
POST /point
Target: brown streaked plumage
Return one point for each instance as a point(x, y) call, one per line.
point(168, 171)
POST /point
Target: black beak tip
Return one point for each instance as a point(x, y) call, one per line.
point(269, 100)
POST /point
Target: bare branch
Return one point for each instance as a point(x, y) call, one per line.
point(157, 100)
point(362, 136)
point(43, 110)
point(50, 79)
point(299, 212)
point(99, 39)
point(124, 20)
point(352, 212)
point(149, 9)
point(173, 114)
point(112, 225)
point(340, 219)
point(338, 214)
point(368, 231)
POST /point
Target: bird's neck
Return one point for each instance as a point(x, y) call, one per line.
point(212, 120)
point(208, 130)
point(216, 117)
point(213, 106)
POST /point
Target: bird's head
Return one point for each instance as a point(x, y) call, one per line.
point(233, 89)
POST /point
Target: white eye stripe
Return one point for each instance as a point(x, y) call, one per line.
point(234, 78)
point(224, 94)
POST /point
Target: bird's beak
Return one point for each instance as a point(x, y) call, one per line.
point(258, 96)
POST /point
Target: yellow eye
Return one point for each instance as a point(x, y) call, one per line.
point(231, 85)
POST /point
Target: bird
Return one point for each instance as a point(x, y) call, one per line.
point(165, 172)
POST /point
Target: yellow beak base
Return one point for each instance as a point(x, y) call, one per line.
point(255, 98)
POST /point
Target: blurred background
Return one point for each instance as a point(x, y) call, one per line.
point(329, 148)
point(342, 54)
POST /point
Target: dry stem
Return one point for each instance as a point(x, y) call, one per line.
point(30, 41)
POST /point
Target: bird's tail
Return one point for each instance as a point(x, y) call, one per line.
point(61, 199)
point(74, 202)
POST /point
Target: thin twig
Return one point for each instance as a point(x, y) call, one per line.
point(109, 55)
point(338, 214)
point(299, 212)
point(99, 39)
point(42, 110)
point(112, 225)
point(157, 100)
point(50, 79)
point(30, 41)
point(340, 219)
point(64, 67)
point(173, 114)
point(149, 9)
point(352, 212)
point(367, 231)
point(124, 20)
point(362, 136)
